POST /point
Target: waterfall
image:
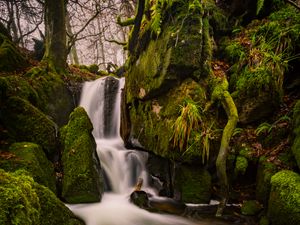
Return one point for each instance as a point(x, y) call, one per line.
point(122, 167)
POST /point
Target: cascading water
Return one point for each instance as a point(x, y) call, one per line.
point(101, 99)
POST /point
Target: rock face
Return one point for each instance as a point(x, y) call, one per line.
point(284, 201)
point(25, 122)
point(167, 71)
point(82, 180)
point(25, 202)
point(30, 157)
point(296, 122)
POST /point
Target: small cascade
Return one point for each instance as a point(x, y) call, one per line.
point(122, 167)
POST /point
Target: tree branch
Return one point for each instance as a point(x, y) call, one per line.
point(127, 22)
point(293, 4)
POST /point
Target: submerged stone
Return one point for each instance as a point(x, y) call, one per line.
point(284, 201)
point(30, 157)
point(82, 180)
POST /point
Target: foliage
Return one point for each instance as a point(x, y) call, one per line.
point(188, 120)
point(260, 53)
point(266, 127)
point(259, 6)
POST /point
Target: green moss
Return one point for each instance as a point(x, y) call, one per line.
point(264, 173)
point(19, 201)
point(18, 86)
point(284, 201)
point(153, 121)
point(241, 165)
point(25, 202)
point(296, 131)
point(25, 122)
point(81, 180)
point(55, 99)
point(251, 208)
point(10, 57)
point(53, 211)
point(193, 183)
point(30, 157)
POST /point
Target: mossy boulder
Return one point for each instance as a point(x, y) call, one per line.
point(192, 184)
point(296, 124)
point(82, 181)
point(55, 98)
point(284, 201)
point(10, 57)
point(251, 208)
point(30, 157)
point(263, 186)
point(25, 202)
point(25, 122)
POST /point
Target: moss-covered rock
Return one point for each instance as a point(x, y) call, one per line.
point(30, 157)
point(259, 63)
point(81, 181)
point(284, 201)
point(10, 57)
point(25, 202)
point(192, 184)
point(296, 124)
point(53, 211)
point(263, 186)
point(251, 208)
point(55, 99)
point(25, 122)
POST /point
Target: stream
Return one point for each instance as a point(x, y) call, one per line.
point(122, 167)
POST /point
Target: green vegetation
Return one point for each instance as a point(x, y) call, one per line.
point(251, 208)
point(81, 181)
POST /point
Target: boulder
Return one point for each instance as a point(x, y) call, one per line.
point(30, 157)
point(192, 184)
point(10, 57)
point(82, 180)
point(284, 200)
point(25, 202)
point(25, 122)
point(263, 178)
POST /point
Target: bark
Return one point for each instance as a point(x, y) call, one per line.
point(137, 25)
point(55, 27)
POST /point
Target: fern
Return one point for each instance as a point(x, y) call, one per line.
point(259, 6)
point(156, 18)
point(263, 128)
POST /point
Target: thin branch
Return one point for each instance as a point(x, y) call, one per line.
point(293, 4)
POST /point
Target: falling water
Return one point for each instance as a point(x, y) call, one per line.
point(122, 167)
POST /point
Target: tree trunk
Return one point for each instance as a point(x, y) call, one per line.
point(73, 54)
point(55, 28)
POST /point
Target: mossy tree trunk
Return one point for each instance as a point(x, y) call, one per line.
point(55, 29)
point(220, 93)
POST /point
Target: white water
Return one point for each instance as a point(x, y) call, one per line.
point(122, 168)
